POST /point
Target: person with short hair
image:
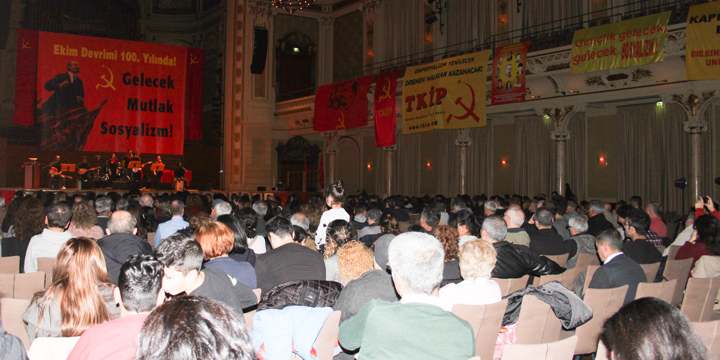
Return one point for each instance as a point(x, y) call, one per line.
point(288, 260)
point(121, 242)
point(597, 222)
point(420, 325)
point(618, 269)
point(639, 249)
point(584, 242)
point(220, 208)
point(194, 327)
point(175, 224)
point(372, 228)
point(139, 291)
point(217, 240)
point(650, 328)
point(84, 221)
point(182, 259)
point(477, 261)
point(516, 234)
point(104, 206)
point(50, 241)
point(655, 211)
point(546, 241)
point(360, 219)
point(429, 218)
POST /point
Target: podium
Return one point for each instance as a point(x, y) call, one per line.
point(32, 174)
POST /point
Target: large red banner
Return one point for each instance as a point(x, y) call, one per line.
point(385, 88)
point(96, 94)
point(509, 69)
point(342, 105)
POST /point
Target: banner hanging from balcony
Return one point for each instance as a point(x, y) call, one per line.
point(446, 94)
point(342, 105)
point(508, 73)
point(94, 94)
point(702, 48)
point(631, 42)
point(385, 88)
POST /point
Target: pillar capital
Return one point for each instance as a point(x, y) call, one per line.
point(331, 139)
point(463, 138)
point(390, 148)
point(326, 21)
point(694, 107)
point(560, 118)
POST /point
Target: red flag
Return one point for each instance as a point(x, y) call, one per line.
point(385, 108)
point(342, 105)
point(26, 77)
point(193, 93)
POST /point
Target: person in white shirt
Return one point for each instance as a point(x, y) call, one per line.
point(477, 261)
point(48, 243)
point(334, 197)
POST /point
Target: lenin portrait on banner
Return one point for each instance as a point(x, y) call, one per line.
point(69, 92)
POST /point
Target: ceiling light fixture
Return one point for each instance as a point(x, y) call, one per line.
point(292, 5)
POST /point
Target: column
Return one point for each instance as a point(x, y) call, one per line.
point(233, 122)
point(389, 150)
point(325, 47)
point(695, 125)
point(560, 135)
point(331, 139)
point(369, 30)
point(463, 140)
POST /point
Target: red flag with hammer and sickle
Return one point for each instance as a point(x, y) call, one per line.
point(385, 108)
point(342, 105)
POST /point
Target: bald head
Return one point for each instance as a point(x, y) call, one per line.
point(121, 222)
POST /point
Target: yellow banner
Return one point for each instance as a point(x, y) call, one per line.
point(632, 42)
point(446, 94)
point(702, 48)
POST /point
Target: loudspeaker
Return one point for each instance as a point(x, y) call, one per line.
point(260, 45)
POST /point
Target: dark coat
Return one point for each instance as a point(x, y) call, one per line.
point(598, 224)
point(63, 98)
point(516, 261)
point(621, 270)
point(118, 247)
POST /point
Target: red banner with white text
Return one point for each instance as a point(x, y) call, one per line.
point(342, 105)
point(385, 88)
point(95, 94)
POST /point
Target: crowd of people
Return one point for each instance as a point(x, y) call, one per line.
point(171, 277)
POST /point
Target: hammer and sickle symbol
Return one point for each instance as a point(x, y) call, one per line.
point(194, 60)
point(108, 83)
point(386, 91)
point(469, 110)
point(26, 44)
point(341, 121)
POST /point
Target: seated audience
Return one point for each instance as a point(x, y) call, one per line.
point(360, 219)
point(240, 251)
point(467, 226)
point(182, 259)
point(429, 218)
point(584, 242)
point(121, 242)
point(84, 221)
point(516, 234)
point(372, 229)
point(685, 234)
point(618, 269)
point(650, 328)
point(597, 222)
point(477, 261)
point(139, 291)
point(655, 211)
point(175, 224)
point(146, 222)
point(420, 325)
point(80, 296)
point(217, 240)
point(353, 260)
point(339, 232)
point(220, 207)
point(191, 328)
point(28, 220)
point(48, 243)
point(302, 236)
point(256, 242)
point(104, 206)
point(449, 239)
point(546, 241)
point(705, 240)
point(638, 248)
point(514, 261)
point(288, 260)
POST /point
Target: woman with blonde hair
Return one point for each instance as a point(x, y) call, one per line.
point(477, 261)
point(81, 294)
point(217, 241)
point(339, 232)
point(353, 260)
point(449, 238)
point(84, 221)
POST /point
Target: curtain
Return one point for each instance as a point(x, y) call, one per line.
point(654, 151)
point(399, 29)
point(535, 156)
point(538, 15)
point(480, 160)
point(469, 20)
point(576, 156)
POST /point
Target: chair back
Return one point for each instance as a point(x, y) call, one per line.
point(509, 286)
point(709, 332)
point(486, 321)
point(566, 278)
point(706, 266)
point(328, 337)
point(678, 270)
point(558, 350)
point(559, 259)
point(7, 285)
point(589, 275)
point(673, 251)
point(584, 260)
point(11, 311)
point(604, 303)
point(151, 238)
point(662, 290)
point(10, 265)
point(26, 285)
point(47, 265)
point(537, 322)
point(700, 297)
point(650, 270)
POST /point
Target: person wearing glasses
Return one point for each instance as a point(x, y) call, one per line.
point(638, 248)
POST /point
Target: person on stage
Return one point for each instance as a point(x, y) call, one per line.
point(83, 170)
point(113, 167)
point(180, 174)
point(56, 176)
point(136, 175)
point(158, 173)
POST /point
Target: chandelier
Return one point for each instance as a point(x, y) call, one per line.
point(291, 5)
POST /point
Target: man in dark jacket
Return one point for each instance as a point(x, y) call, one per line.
point(637, 225)
point(546, 241)
point(618, 269)
point(597, 222)
point(514, 261)
point(121, 242)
